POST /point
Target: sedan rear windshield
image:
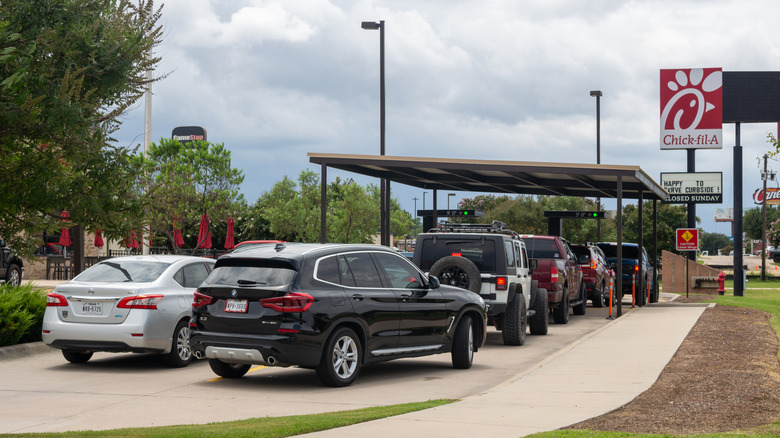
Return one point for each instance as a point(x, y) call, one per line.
point(123, 271)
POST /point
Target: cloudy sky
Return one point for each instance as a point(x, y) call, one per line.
point(490, 79)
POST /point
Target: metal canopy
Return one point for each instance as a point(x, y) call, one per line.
point(493, 176)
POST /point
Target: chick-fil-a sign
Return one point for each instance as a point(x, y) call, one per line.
point(692, 108)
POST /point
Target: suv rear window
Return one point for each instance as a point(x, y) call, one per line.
point(481, 252)
point(542, 249)
point(259, 272)
point(629, 252)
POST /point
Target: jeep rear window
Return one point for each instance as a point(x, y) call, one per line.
point(542, 249)
point(481, 252)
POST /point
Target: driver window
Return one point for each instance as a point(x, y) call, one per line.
point(400, 273)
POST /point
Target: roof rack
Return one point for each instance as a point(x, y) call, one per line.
point(497, 227)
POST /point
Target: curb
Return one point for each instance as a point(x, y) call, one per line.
point(23, 350)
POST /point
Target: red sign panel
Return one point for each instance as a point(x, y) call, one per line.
point(692, 108)
point(687, 239)
point(772, 196)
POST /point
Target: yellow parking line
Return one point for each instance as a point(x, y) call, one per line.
point(216, 379)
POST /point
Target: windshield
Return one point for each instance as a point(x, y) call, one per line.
point(123, 271)
point(542, 249)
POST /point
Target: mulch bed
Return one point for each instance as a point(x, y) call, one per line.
point(724, 377)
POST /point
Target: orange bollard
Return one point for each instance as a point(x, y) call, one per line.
point(611, 291)
point(633, 290)
point(648, 293)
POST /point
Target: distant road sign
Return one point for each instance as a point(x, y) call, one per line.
point(694, 187)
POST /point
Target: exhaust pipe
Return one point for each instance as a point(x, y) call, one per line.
point(199, 354)
point(271, 360)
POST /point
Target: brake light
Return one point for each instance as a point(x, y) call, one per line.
point(554, 274)
point(592, 264)
point(457, 254)
point(636, 268)
point(501, 283)
point(140, 302)
point(292, 302)
point(202, 300)
point(55, 300)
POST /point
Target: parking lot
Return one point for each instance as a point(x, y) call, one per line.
point(44, 393)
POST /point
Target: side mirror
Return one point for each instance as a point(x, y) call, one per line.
point(433, 282)
point(613, 265)
point(533, 264)
point(2, 242)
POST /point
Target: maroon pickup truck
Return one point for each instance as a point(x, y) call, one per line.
point(558, 272)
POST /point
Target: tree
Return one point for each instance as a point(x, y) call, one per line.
point(753, 220)
point(184, 182)
point(712, 242)
point(670, 217)
point(68, 70)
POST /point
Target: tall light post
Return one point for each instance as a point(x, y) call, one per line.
point(384, 185)
point(597, 94)
point(449, 195)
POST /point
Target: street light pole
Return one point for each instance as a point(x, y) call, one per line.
point(597, 94)
point(384, 185)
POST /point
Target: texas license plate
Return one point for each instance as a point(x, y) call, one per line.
point(92, 308)
point(236, 306)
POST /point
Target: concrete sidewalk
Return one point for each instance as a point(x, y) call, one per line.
point(590, 377)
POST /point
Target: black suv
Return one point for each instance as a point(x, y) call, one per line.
point(490, 260)
point(329, 307)
point(11, 266)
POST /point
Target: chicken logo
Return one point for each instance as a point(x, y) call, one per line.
point(691, 108)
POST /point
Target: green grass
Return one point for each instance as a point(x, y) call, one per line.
point(266, 427)
point(761, 295)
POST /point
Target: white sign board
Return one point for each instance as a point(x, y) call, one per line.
point(696, 187)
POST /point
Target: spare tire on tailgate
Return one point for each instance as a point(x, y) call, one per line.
point(457, 271)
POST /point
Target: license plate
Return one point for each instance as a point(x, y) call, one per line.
point(236, 306)
point(91, 308)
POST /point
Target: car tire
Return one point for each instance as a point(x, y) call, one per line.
point(463, 345)
point(457, 271)
point(76, 356)
point(515, 319)
point(561, 313)
point(228, 370)
point(13, 276)
point(181, 353)
point(341, 359)
point(599, 300)
point(580, 309)
point(539, 323)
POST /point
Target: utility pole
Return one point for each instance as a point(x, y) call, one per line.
point(764, 177)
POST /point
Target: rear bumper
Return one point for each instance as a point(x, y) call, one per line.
point(274, 350)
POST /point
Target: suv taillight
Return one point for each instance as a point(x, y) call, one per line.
point(501, 283)
point(292, 302)
point(554, 274)
point(202, 300)
point(140, 302)
point(55, 300)
point(592, 264)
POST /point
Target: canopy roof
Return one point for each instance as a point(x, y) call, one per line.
point(494, 176)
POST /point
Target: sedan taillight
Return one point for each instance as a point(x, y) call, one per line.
point(140, 302)
point(292, 302)
point(55, 300)
point(202, 300)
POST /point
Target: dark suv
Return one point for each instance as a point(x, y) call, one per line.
point(637, 271)
point(11, 266)
point(329, 307)
point(489, 260)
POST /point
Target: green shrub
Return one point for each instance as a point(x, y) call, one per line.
point(21, 314)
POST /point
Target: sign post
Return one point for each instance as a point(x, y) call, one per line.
point(687, 240)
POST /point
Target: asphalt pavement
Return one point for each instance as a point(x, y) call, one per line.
point(592, 376)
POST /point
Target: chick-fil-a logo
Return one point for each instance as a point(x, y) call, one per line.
point(691, 108)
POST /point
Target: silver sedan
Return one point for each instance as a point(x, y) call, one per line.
point(138, 304)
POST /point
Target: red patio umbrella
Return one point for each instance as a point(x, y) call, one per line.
point(178, 240)
point(131, 241)
point(65, 234)
point(229, 244)
point(98, 239)
point(204, 234)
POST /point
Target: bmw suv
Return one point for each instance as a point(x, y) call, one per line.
point(329, 307)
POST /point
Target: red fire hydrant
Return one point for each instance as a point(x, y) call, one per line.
point(721, 283)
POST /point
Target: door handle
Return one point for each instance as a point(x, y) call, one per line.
point(357, 297)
